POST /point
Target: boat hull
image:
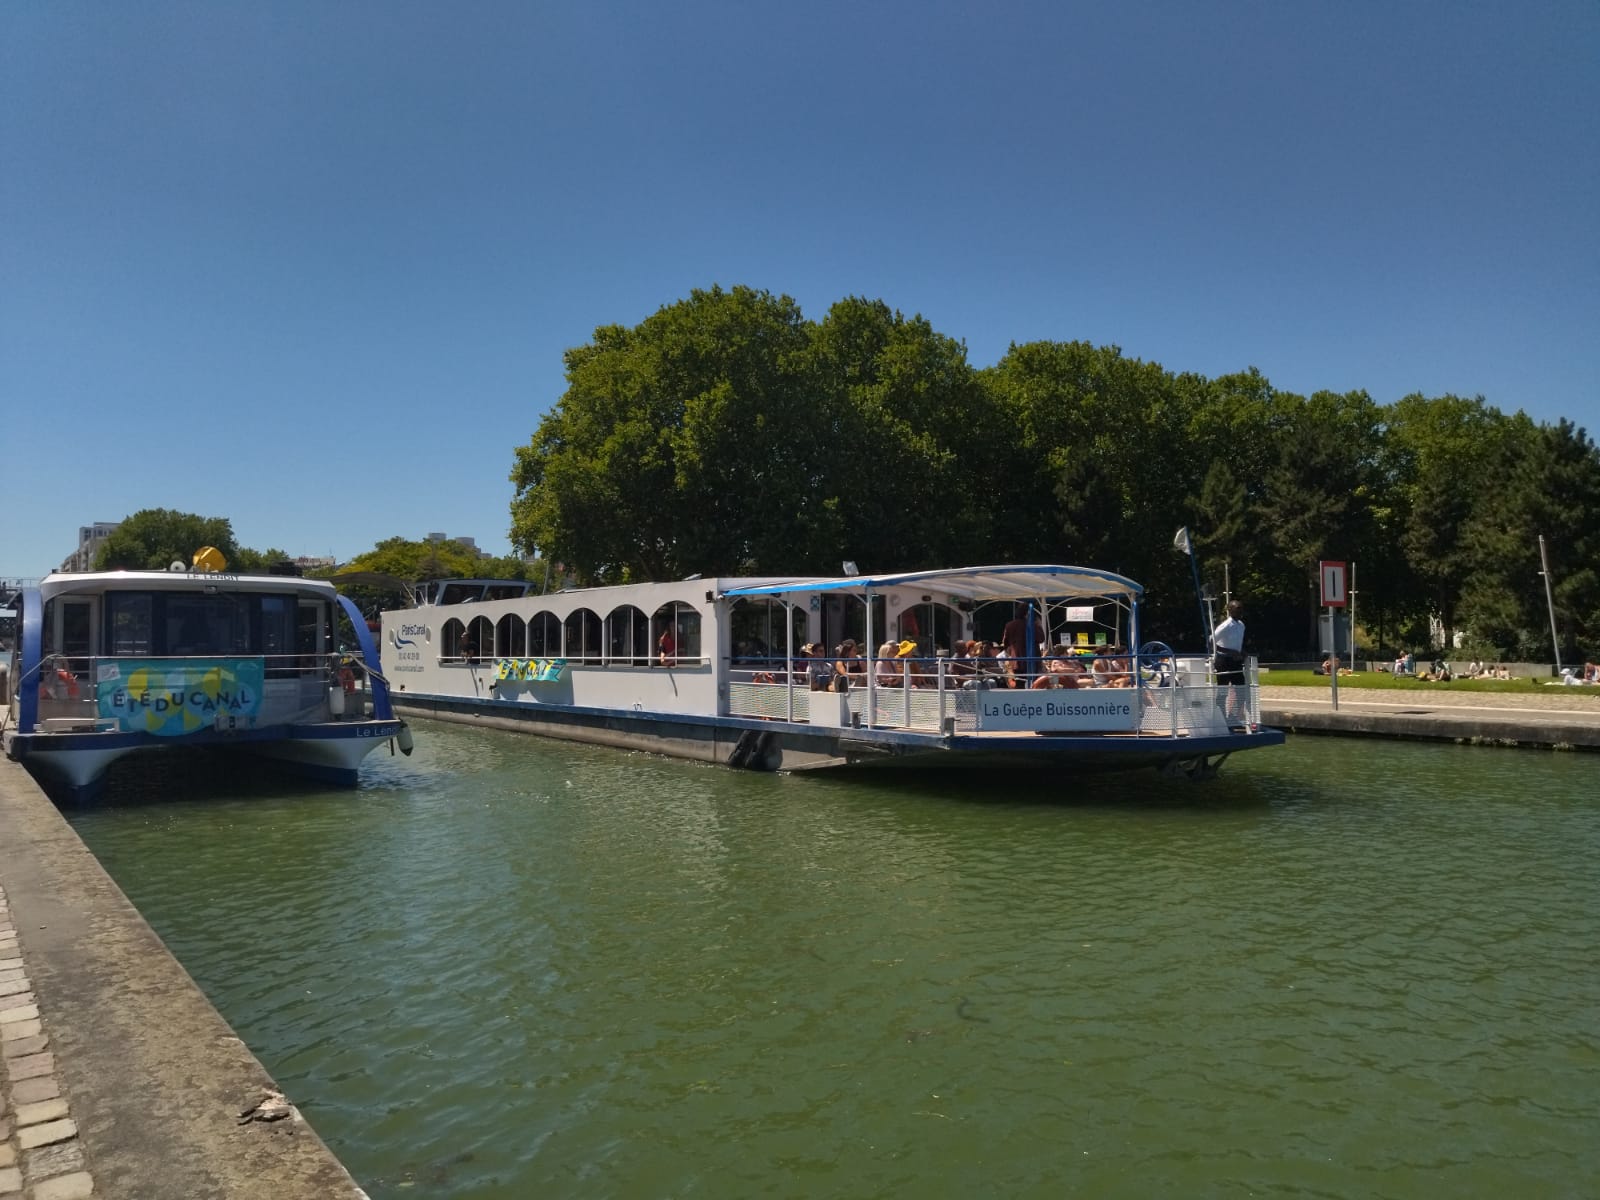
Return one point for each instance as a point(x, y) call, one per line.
point(76, 763)
point(789, 746)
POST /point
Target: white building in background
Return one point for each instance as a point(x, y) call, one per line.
point(90, 539)
point(469, 543)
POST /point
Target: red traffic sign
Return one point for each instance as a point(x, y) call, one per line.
point(1334, 594)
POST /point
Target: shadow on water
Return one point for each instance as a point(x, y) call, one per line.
point(1123, 791)
point(195, 776)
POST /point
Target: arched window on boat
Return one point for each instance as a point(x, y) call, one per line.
point(628, 637)
point(544, 635)
point(451, 641)
point(683, 621)
point(931, 625)
point(478, 644)
point(756, 634)
point(510, 637)
point(583, 643)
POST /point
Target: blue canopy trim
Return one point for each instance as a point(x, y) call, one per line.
point(974, 583)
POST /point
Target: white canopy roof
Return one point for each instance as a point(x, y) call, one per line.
point(971, 583)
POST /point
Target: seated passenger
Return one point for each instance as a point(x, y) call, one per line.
point(888, 673)
point(819, 671)
point(849, 664)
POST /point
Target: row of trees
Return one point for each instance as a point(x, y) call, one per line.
point(728, 434)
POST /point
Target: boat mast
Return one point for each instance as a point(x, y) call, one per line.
point(1555, 640)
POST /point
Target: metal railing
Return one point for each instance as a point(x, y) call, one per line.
point(83, 692)
point(1174, 696)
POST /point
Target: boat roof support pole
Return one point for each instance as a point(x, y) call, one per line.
point(872, 649)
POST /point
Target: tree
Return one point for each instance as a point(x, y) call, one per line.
point(153, 538)
point(687, 444)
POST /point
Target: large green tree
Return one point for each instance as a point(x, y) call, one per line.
point(687, 444)
point(153, 538)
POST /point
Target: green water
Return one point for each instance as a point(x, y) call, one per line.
point(509, 967)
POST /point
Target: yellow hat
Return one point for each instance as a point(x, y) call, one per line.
point(905, 649)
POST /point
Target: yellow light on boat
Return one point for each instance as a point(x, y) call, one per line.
point(209, 558)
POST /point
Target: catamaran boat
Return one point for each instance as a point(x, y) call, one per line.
point(109, 663)
point(806, 673)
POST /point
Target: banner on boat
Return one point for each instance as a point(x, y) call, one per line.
point(1059, 710)
point(170, 697)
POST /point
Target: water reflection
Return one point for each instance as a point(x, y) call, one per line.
point(508, 966)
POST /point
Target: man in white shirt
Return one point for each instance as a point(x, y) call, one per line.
point(1227, 646)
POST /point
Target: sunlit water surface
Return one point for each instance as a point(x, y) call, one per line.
point(510, 967)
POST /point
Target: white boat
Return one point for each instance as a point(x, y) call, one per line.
point(714, 669)
point(109, 663)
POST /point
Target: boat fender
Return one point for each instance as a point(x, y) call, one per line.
point(404, 739)
point(743, 748)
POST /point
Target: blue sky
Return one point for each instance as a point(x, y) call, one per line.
point(312, 266)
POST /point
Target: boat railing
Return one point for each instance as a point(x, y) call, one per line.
point(1174, 695)
point(84, 692)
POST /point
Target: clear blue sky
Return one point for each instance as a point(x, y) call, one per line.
point(312, 266)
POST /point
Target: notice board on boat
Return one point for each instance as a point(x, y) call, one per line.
point(1059, 710)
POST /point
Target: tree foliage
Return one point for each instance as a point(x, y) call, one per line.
point(154, 538)
point(726, 434)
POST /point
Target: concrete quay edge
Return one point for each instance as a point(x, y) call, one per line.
point(144, 1083)
point(1539, 721)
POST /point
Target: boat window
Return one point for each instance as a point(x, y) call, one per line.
point(205, 625)
point(583, 637)
point(756, 631)
point(451, 640)
point(544, 636)
point(479, 640)
point(684, 621)
point(510, 637)
point(628, 636)
point(75, 628)
point(846, 617)
point(130, 621)
point(505, 591)
point(932, 626)
point(278, 626)
point(307, 628)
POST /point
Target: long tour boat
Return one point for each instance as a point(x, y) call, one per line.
point(109, 663)
point(883, 671)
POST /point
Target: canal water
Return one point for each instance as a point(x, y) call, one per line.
point(509, 967)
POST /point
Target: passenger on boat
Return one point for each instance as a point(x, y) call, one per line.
point(667, 648)
point(888, 672)
point(849, 664)
point(819, 671)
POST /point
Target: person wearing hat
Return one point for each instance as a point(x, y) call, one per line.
point(819, 671)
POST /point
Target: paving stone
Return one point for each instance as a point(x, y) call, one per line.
point(10, 964)
point(31, 1091)
point(22, 1012)
point(30, 1067)
point(10, 1031)
point(54, 1160)
point(45, 1110)
point(22, 1047)
point(16, 1001)
point(65, 1187)
point(5, 1129)
point(15, 972)
point(43, 1135)
point(13, 987)
point(10, 1181)
point(8, 1155)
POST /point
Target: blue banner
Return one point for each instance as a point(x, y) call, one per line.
point(170, 697)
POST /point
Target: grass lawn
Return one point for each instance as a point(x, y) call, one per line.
point(1384, 682)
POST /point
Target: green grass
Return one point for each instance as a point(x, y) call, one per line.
point(1382, 681)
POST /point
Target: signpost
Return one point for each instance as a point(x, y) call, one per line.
point(1334, 595)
